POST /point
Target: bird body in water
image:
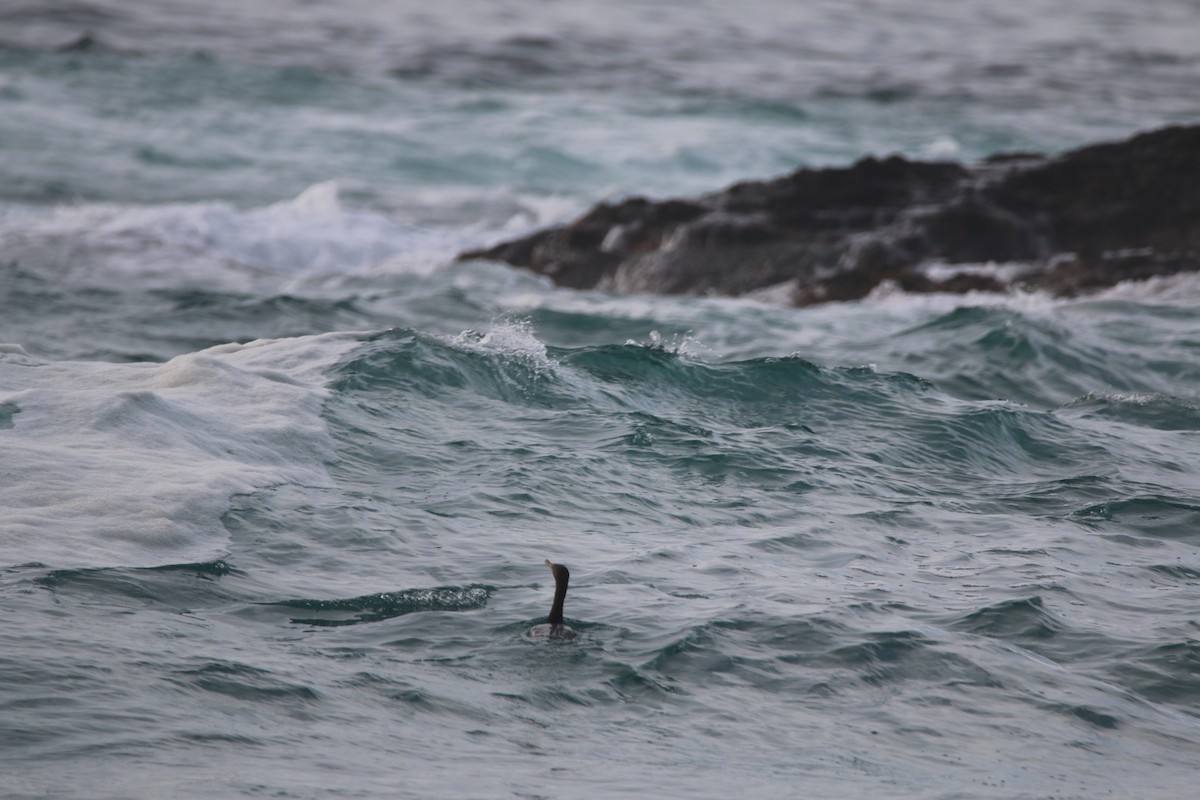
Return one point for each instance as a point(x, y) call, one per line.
point(554, 627)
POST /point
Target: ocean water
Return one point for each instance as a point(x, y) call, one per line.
point(278, 475)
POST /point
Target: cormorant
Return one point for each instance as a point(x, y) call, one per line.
point(554, 627)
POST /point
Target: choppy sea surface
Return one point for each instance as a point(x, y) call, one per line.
point(278, 475)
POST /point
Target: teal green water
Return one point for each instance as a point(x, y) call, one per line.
point(786, 570)
point(278, 477)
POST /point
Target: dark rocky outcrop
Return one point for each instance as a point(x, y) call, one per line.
point(1084, 220)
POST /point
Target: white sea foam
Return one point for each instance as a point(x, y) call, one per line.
point(134, 464)
point(514, 338)
point(942, 147)
point(285, 246)
point(218, 243)
point(1179, 289)
point(889, 296)
point(1005, 272)
point(681, 344)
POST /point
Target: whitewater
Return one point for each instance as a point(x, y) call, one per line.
point(278, 472)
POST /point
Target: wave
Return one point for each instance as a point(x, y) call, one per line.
point(413, 362)
point(175, 245)
point(755, 434)
point(134, 464)
point(384, 605)
point(1162, 412)
point(510, 363)
point(1041, 355)
point(1165, 673)
point(1156, 515)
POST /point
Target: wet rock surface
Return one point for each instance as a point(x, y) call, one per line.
point(1069, 224)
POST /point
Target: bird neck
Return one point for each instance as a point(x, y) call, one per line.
point(560, 595)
